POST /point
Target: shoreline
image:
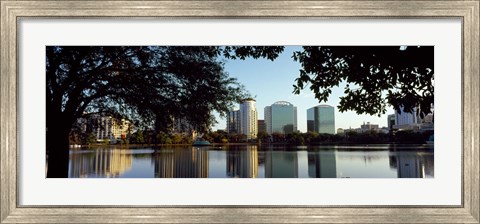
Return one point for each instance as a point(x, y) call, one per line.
point(338, 145)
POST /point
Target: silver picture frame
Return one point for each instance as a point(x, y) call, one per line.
point(12, 11)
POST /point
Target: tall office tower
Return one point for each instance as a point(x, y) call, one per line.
point(321, 119)
point(391, 121)
point(233, 121)
point(267, 113)
point(295, 123)
point(248, 118)
point(261, 126)
point(281, 117)
point(405, 118)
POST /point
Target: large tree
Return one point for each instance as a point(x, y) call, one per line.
point(155, 84)
point(150, 85)
point(375, 76)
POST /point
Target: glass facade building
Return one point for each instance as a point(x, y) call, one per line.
point(281, 117)
point(261, 126)
point(321, 119)
point(233, 122)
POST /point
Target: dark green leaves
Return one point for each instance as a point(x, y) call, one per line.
point(147, 84)
point(375, 76)
point(243, 52)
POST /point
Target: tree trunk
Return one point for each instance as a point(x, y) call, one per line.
point(57, 151)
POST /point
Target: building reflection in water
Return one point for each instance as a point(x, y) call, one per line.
point(281, 164)
point(100, 163)
point(243, 162)
point(322, 164)
point(181, 163)
point(412, 165)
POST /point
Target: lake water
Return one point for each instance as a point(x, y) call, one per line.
point(252, 161)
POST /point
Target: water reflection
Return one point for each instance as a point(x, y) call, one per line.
point(100, 163)
point(254, 162)
point(281, 164)
point(322, 164)
point(411, 165)
point(181, 163)
point(243, 163)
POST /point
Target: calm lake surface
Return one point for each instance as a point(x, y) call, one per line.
point(252, 161)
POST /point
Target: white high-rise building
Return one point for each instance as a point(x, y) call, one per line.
point(405, 118)
point(391, 120)
point(248, 118)
point(104, 127)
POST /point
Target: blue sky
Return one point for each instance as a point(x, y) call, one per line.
point(269, 82)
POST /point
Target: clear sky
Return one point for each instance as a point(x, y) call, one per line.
point(269, 82)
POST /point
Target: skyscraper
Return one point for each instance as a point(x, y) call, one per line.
point(267, 113)
point(233, 122)
point(261, 126)
point(281, 117)
point(248, 118)
point(391, 121)
point(405, 118)
point(321, 119)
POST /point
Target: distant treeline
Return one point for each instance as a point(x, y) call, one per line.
point(138, 137)
point(313, 138)
point(296, 138)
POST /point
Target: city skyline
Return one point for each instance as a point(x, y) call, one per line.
point(271, 81)
point(146, 112)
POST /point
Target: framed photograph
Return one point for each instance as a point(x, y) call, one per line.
point(239, 111)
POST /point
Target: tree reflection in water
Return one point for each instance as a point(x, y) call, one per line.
point(250, 161)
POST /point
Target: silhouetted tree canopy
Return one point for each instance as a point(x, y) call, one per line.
point(152, 85)
point(374, 76)
point(243, 52)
